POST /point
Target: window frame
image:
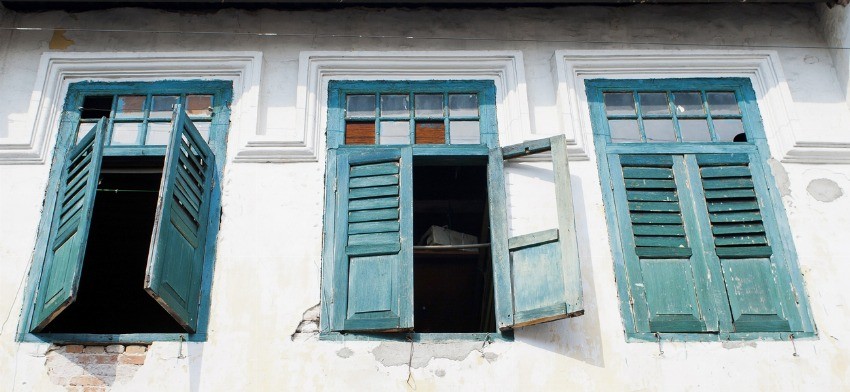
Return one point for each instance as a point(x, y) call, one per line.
point(756, 147)
point(222, 92)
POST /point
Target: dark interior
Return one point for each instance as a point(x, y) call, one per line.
point(96, 106)
point(452, 288)
point(111, 297)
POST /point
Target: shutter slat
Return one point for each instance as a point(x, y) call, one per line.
point(740, 240)
point(654, 206)
point(655, 218)
point(722, 206)
point(729, 194)
point(650, 184)
point(662, 241)
point(647, 172)
point(728, 183)
point(718, 229)
point(640, 229)
point(651, 196)
point(374, 227)
point(361, 193)
point(373, 203)
point(364, 182)
point(663, 252)
point(373, 215)
point(374, 170)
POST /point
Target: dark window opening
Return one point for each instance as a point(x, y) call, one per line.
point(453, 288)
point(111, 297)
point(95, 107)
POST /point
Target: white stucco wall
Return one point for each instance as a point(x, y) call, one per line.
point(269, 246)
point(836, 30)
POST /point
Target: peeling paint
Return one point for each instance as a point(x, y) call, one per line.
point(309, 325)
point(738, 344)
point(825, 190)
point(440, 373)
point(491, 357)
point(58, 41)
point(781, 177)
point(398, 353)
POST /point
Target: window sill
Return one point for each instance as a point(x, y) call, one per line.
point(718, 337)
point(507, 336)
point(129, 338)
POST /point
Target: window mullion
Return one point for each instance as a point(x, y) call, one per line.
point(713, 299)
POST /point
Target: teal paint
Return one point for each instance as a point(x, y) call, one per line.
point(744, 238)
point(66, 139)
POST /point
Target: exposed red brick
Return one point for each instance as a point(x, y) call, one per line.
point(135, 349)
point(94, 349)
point(132, 359)
point(74, 348)
point(94, 388)
point(86, 380)
point(107, 358)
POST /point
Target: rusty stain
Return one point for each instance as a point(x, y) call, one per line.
point(58, 41)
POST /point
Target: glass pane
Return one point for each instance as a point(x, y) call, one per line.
point(395, 132)
point(654, 103)
point(203, 129)
point(722, 103)
point(158, 134)
point(163, 105)
point(83, 129)
point(464, 132)
point(688, 103)
point(428, 105)
point(430, 133)
point(694, 130)
point(730, 130)
point(624, 131)
point(360, 106)
point(659, 130)
point(395, 106)
point(96, 107)
point(125, 133)
point(619, 103)
point(130, 106)
point(463, 105)
point(199, 105)
point(360, 133)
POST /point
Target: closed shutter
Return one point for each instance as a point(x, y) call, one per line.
point(69, 227)
point(664, 273)
point(176, 258)
point(742, 244)
point(541, 269)
point(373, 275)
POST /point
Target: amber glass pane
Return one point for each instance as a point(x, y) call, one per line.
point(163, 105)
point(130, 106)
point(360, 133)
point(430, 133)
point(198, 105)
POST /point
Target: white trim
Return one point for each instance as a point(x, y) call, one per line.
point(505, 68)
point(57, 70)
point(762, 67)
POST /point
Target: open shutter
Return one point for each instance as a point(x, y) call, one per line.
point(540, 270)
point(742, 240)
point(373, 281)
point(69, 227)
point(176, 257)
point(665, 279)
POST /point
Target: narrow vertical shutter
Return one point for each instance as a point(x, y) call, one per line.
point(176, 257)
point(659, 257)
point(69, 227)
point(541, 269)
point(742, 243)
point(373, 281)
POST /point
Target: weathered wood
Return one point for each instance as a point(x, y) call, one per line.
point(373, 215)
point(719, 229)
point(539, 237)
point(373, 203)
point(647, 172)
point(654, 206)
point(374, 227)
point(651, 196)
point(364, 182)
point(655, 218)
point(374, 170)
point(360, 133)
point(649, 184)
point(430, 133)
point(721, 206)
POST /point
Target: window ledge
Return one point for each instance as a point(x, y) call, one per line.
point(719, 337)
point(420, 337)
point(129, 338)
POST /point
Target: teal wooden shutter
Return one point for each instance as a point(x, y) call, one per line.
point(373, 275)
point(176, 258)
point(668, 289)
point(69, 227)
point(742, 238)
point(536, 275)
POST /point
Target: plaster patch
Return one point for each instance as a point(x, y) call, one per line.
point(440, 373)
point(738, 344)
point(825, 190)
point(398, 353)
point(58, 41)
point(344, 352)
point(491, 357)
point(781, 177)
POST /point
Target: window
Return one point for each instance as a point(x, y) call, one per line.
point(416, 231)
point(688, 197)
point(126, 241)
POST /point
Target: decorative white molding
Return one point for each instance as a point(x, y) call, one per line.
point(57, 70)
point(762, 67)
point(505, 68)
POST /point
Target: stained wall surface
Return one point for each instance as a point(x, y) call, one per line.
point(267, 269)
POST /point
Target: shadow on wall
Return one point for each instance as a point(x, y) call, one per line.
point(580, 337)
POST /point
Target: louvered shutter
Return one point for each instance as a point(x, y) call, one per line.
point(373, 281)
point(744, 245)
point(664, 274)
point(541, 270)
point(176, 257)
point(69, 227)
